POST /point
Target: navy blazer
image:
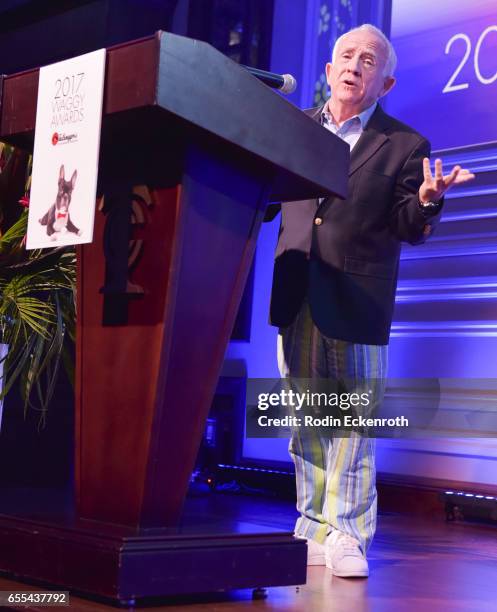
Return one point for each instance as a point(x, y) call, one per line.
point(347, 263)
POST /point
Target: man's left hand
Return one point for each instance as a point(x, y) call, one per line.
point(434, 187)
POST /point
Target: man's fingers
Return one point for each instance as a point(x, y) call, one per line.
point(436, 185)
point(452, 176)
point(426, 169)
point(464, 178)
point(439, 177)
point(458, 176)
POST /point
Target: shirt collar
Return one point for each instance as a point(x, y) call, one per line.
point(363, 117)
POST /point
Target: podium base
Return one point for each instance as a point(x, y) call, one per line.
point(113, 563)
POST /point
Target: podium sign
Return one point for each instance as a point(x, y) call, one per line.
point(66, 150)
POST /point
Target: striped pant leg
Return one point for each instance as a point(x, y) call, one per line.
point(350, 500)
point(302, 354)
point(335, 478)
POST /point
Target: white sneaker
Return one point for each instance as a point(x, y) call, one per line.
point(344, 557)
point(315, 552)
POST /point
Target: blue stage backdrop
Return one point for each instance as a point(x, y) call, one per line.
point(447, 55)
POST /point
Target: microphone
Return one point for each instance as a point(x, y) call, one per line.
point(285, 83)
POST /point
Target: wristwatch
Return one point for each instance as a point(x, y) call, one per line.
point(429, 205)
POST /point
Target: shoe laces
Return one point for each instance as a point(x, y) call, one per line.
point(348, 545)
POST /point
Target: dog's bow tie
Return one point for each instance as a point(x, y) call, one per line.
point(61, 215)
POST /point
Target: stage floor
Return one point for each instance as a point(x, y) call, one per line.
point(415, 565)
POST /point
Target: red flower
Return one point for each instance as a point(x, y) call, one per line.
point(55, 138)
point(24, 201)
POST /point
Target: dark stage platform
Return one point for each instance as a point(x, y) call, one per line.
point(415, 563)
point(213, 549)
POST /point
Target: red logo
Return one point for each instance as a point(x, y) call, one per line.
point(55, 138)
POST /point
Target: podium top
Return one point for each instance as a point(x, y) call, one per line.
point(188, 84)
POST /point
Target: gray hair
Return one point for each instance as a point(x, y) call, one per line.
point(391, 62)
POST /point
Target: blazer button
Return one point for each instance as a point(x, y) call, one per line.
point(318, 221)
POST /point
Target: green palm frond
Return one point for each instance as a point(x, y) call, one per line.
point(37, 303)
point(15, 234)
point(37, 316)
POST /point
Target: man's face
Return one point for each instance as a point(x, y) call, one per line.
point(356, 76)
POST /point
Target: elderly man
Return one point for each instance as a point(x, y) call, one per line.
point(334, 287)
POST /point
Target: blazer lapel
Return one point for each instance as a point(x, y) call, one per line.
point(372, 138)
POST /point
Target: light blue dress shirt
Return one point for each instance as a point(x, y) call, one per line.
point(350, 130)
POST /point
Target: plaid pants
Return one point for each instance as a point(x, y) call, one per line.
point(335, 477)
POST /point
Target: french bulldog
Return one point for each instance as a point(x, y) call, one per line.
point(57, 217)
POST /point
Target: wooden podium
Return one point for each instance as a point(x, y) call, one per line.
point(158, 293)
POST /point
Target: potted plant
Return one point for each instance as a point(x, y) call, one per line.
point(37, 313)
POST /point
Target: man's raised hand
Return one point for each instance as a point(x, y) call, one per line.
point(434, 187)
